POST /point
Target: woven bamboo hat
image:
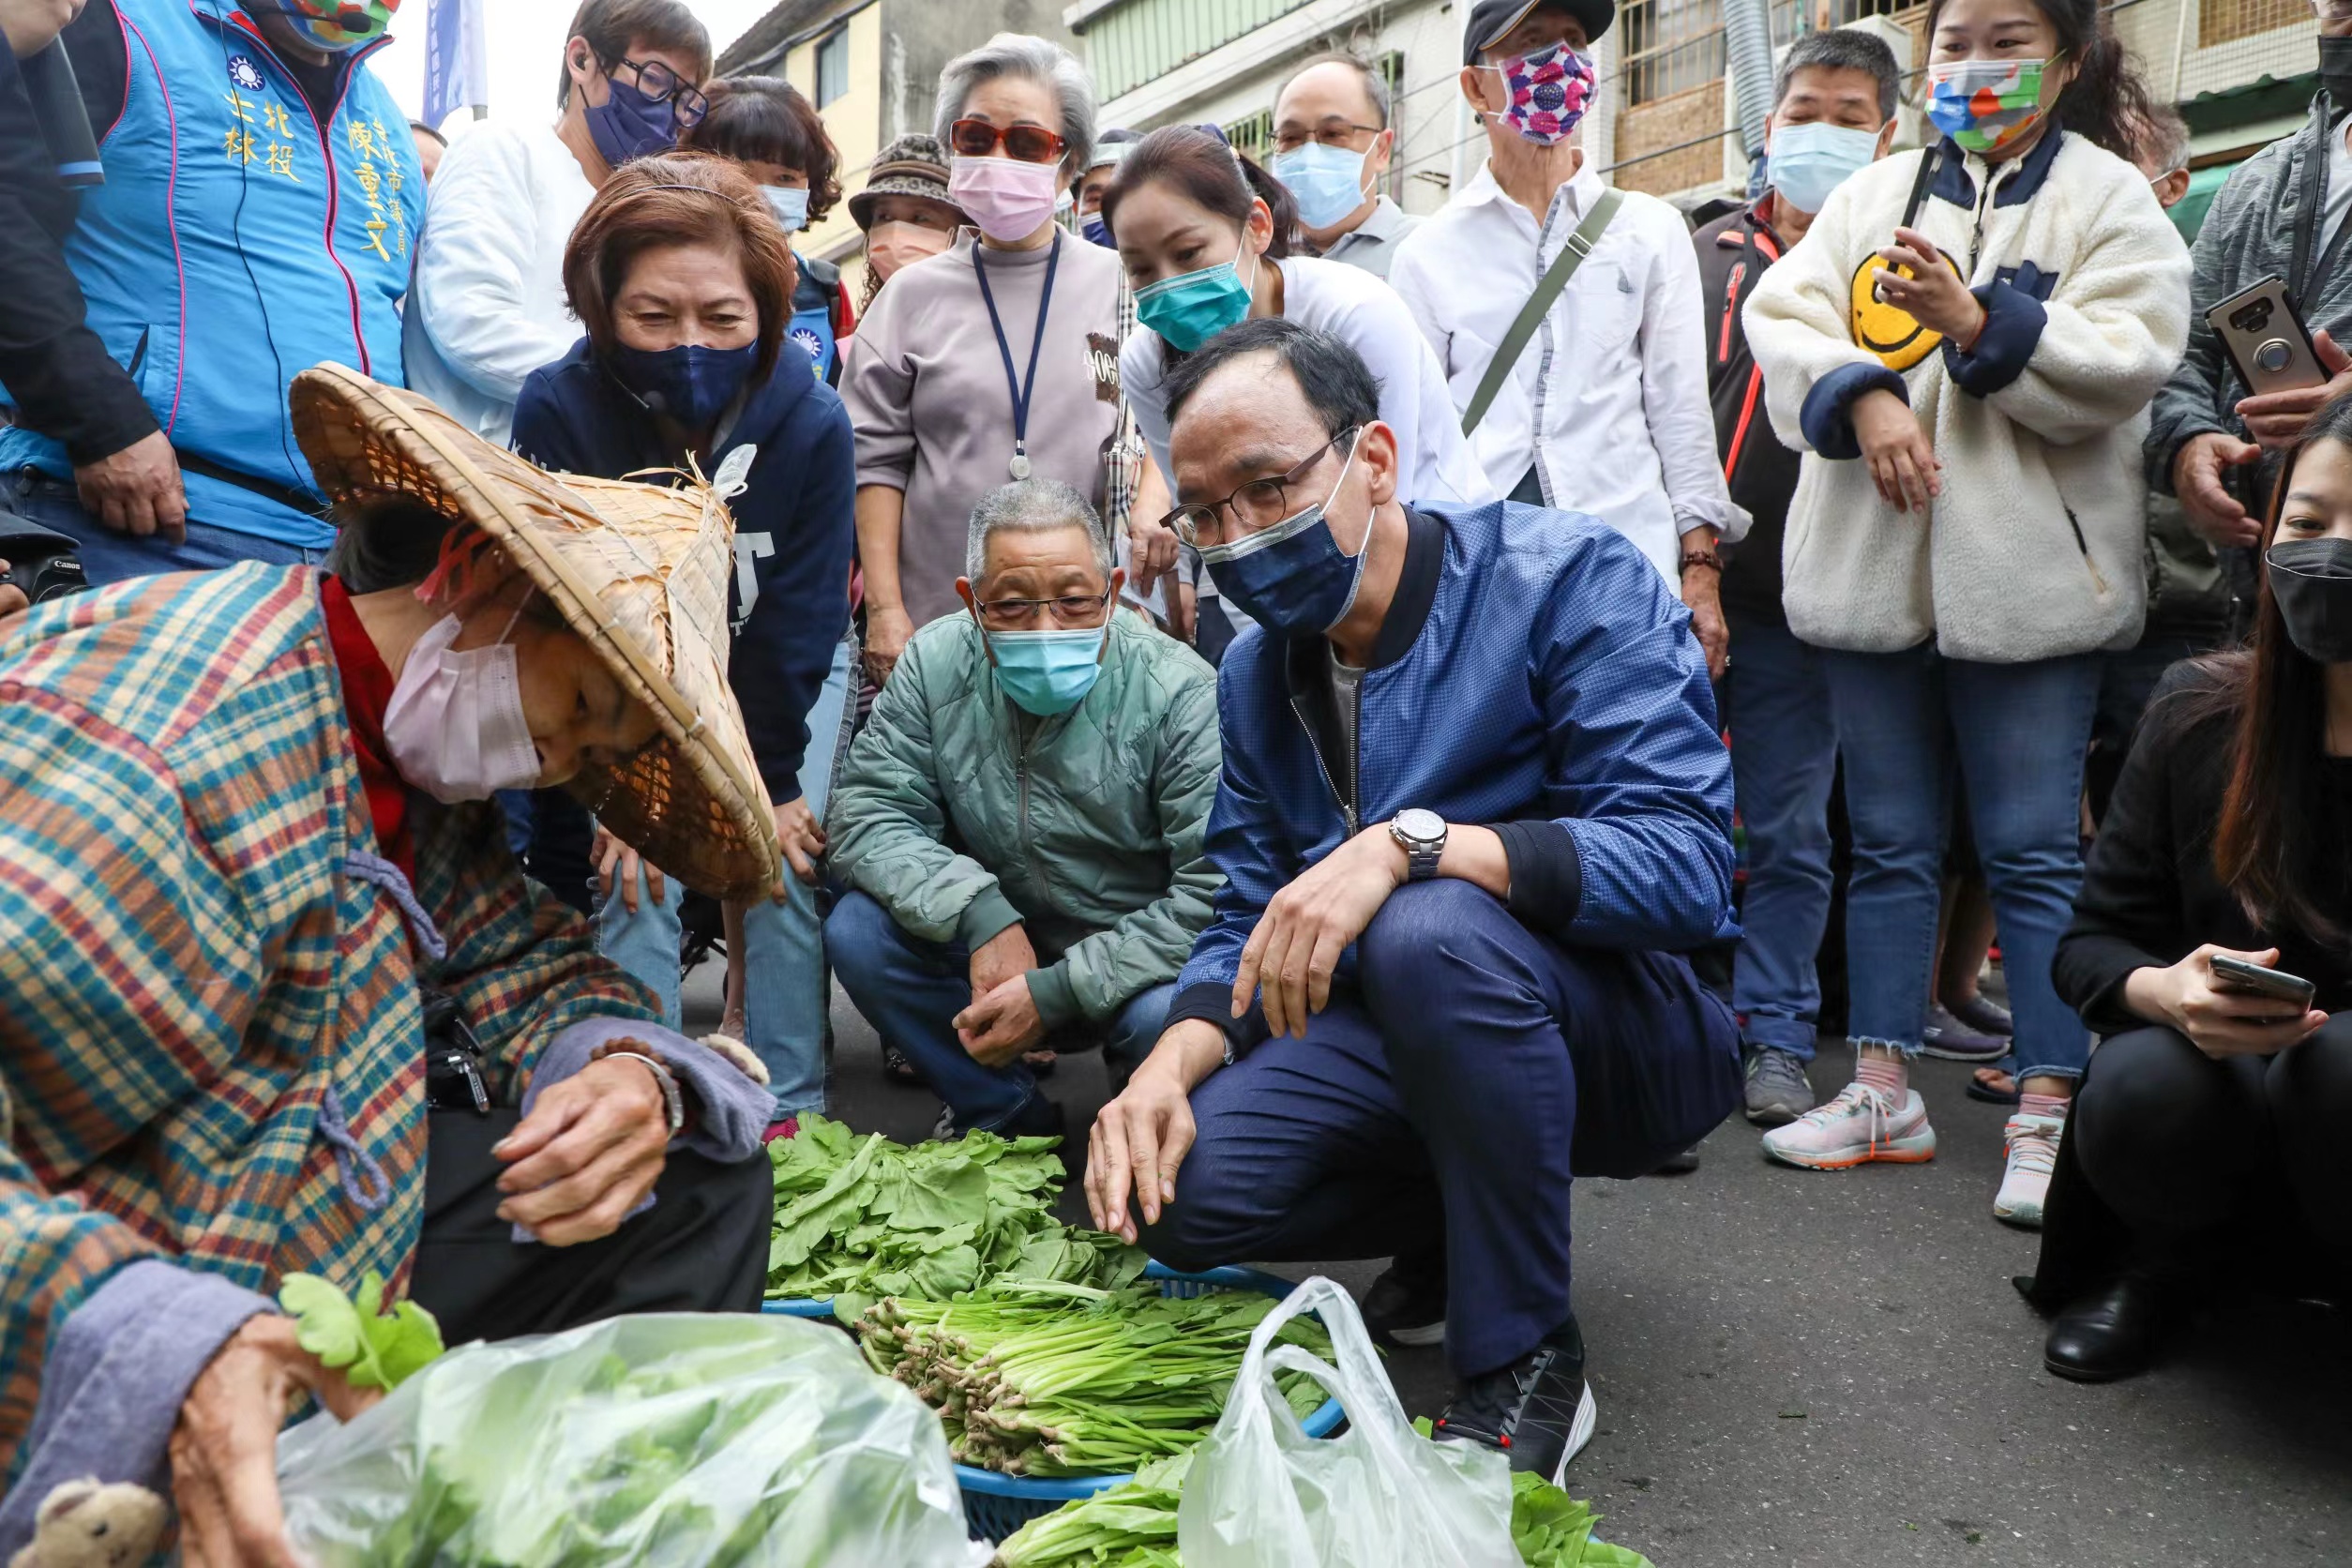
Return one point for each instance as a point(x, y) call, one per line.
point(640, 571)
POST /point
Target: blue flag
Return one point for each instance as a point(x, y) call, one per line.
point(457, 65)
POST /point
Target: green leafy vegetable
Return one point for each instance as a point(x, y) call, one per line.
point(1045, 1379)
point(373, 1349)
point(864, 1216)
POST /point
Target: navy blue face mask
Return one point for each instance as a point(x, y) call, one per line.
point(628, 124)
point(691, 383)
point(1292, 578)
point(1096, 232)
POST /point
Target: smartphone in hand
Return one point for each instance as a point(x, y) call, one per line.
point(2236, 974)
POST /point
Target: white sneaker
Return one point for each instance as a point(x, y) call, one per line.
point(1860, 1125)
point(2033, 1146)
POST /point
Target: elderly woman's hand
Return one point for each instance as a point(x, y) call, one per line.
point(224, 1451)
point(618, 865)
point(1151, 550)
point(887, 630)
point(591, 1148)
point(802, 838)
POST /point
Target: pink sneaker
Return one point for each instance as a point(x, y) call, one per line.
point(788, 1127)
point(1857, 1126)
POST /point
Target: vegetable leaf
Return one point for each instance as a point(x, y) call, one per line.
point(372, 1348)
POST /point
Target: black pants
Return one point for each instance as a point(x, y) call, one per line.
point(2185, 1149)
point(702, 1247)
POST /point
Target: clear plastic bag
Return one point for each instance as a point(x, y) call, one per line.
point(698, 1440)
point(1262, 1494)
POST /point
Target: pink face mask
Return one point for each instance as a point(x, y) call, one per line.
point(896, 244)
point(455, 726)
point(1008, 199)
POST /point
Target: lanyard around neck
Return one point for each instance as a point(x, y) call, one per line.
point(1020, 388)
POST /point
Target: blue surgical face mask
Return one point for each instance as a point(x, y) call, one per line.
point(1049, 672)
point(1328, 182)
point(1098, 232)
point(1808, 161)
point(1293, 578)
point(628, 124)
point(1191, 308)
point(691, 383)
point(790, 203)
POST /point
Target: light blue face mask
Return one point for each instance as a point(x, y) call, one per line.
point(791, 203)
point(1327, 182)
point(1808, 161)
point(1049, 672)
point(1191, 308)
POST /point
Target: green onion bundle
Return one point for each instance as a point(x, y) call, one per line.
point(1047, 1379)
point(869, 1216)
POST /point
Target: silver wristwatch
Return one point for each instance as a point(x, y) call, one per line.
point(1423, 836)
point(672, 1101)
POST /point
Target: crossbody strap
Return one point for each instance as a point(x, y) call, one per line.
point(1547, 289)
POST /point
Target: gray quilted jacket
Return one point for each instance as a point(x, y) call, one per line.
point(2249, 234)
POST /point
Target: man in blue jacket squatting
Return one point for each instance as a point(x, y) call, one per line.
point(1473, 805)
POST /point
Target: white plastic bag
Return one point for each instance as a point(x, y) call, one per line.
point(665, 1439)
point(1262, 1494)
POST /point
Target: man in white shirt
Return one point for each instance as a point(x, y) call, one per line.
point(1332, 142)
point(488, 305)
point(1605, 409)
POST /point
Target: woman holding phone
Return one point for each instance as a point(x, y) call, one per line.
point(2212, 1124)
point(1965, 373)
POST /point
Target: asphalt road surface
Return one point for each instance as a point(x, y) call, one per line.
point(1832, 1369)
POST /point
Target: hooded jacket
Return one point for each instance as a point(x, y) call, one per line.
point(2035, 547)
point(794, 526)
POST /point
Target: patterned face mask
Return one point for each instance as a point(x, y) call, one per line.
point(1549, 92)
point(337, 26)
point(1983, 105)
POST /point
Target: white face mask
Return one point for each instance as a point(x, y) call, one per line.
point(455, 725)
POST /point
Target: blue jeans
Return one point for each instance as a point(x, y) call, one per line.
point(1480, 1069)
point(910, 989)
point(1784, 763)
point(784, 992)
point(108, 556)
point(2019, 732)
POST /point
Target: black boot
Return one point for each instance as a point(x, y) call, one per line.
point(2110, 1333)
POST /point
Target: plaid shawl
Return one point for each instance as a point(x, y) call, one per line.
point(207, 974)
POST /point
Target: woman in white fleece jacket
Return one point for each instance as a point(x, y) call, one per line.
point(1970, 394)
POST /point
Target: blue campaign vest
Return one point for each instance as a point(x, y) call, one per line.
point(236, 243)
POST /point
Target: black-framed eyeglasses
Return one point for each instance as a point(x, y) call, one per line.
point(660, 84)
point(1070, 609)
point(1259, 503)
point(1330, 133)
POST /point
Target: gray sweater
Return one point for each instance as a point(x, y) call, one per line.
point(926, 391)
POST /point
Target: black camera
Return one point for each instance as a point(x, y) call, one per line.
point(40, 561)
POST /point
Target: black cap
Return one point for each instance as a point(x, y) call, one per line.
point(1490, 20)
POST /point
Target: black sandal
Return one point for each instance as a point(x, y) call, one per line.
point(898, 1070)
point(1979, 1090)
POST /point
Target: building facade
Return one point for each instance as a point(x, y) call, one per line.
point(1664, 121)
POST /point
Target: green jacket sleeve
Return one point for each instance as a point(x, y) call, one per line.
point(1099, 974)
point(886, 824)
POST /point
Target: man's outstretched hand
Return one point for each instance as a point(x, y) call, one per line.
point(1141, 1138)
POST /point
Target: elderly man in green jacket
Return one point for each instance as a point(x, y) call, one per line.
point(1021, 822)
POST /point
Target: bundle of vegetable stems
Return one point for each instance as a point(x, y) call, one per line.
point(1044, 1379)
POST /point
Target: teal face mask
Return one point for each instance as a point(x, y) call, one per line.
point(1191, 308)
point(1049, 672)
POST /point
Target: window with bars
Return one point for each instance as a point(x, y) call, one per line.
point(1253, 137)
point(1669, 47)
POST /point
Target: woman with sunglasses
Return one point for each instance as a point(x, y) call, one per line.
point(1204, 235)
point(487, 305)
point(997, 360)
point(2208, 1142)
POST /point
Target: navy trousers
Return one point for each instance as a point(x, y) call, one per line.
point(1476, 1071)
